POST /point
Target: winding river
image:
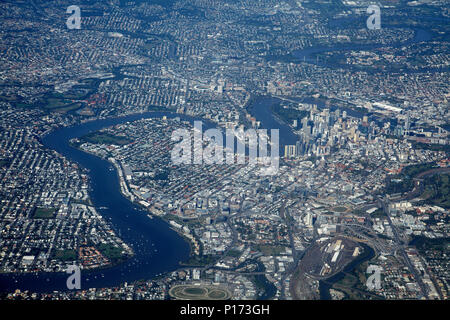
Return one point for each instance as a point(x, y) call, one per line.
point(309, 54)
point(158, 249)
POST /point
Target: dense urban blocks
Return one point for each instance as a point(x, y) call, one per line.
point(360, 99)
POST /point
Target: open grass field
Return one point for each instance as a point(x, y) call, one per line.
point(105, 138)
point(340, 209)
point(65, 255)
point(44, 213)
point(269, 250)
point(437, 190)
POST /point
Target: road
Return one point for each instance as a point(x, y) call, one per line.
point(401, 249)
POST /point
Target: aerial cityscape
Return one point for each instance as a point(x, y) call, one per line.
point(225, 150)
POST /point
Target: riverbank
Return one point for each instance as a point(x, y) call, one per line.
point(158, 249)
